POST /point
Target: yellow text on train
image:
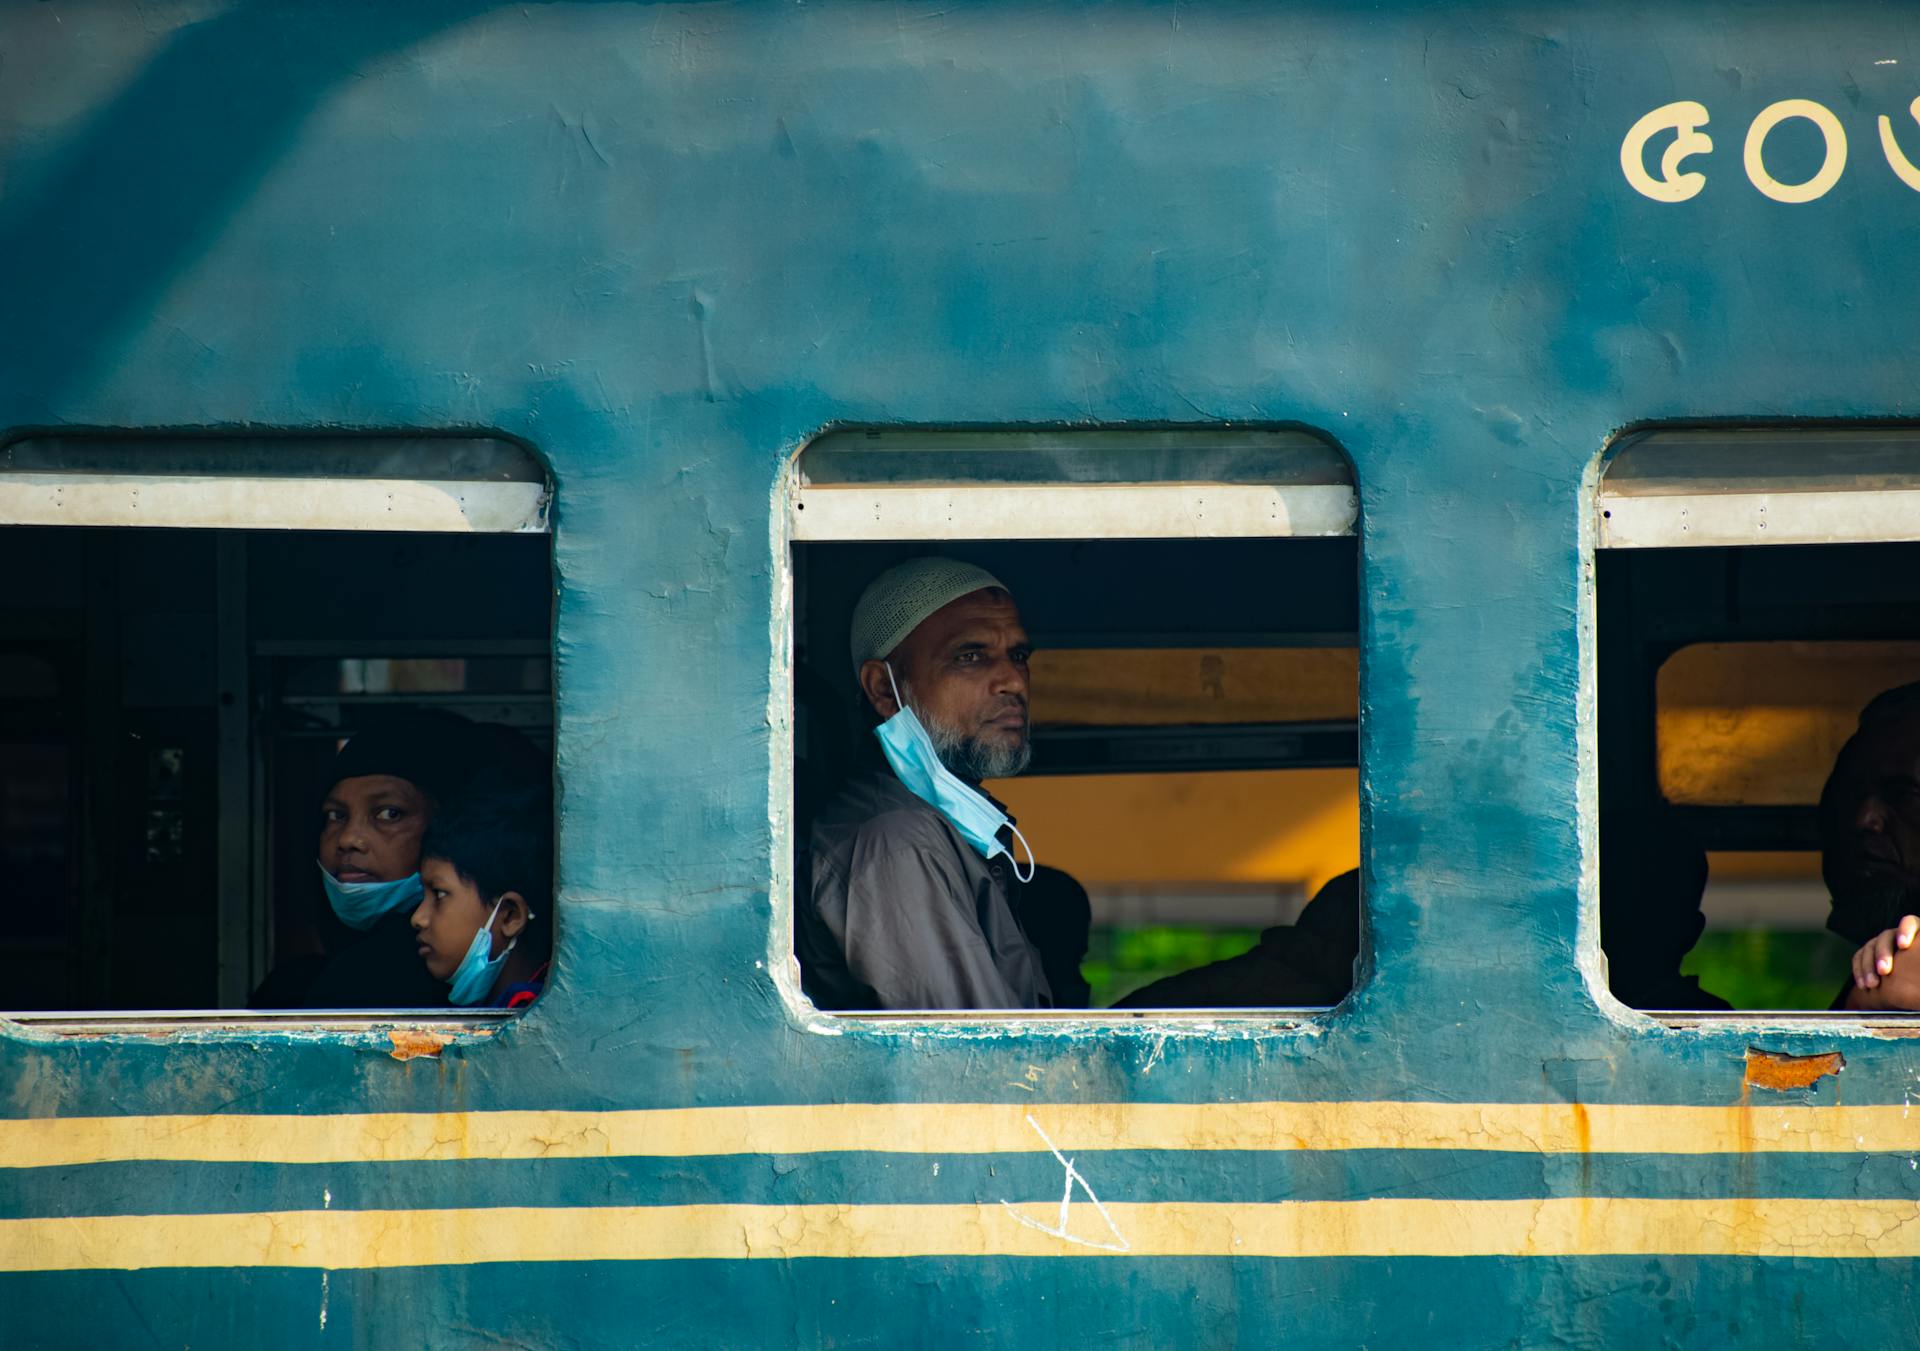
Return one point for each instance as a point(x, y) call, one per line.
point(1685, 119)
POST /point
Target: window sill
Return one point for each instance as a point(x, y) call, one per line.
point(160, 1022)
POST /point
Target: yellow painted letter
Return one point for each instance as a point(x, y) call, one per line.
point(1672, 185)
point(1814, 188)
point(1896, 157)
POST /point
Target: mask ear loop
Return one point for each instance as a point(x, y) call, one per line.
point(1028, 875)
point(488, 926)
point(898, 702)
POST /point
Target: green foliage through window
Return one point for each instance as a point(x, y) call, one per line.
point(1770, 968)
point(1122, 959)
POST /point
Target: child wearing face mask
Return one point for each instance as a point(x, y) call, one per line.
point(484, 922)
point(382, 788)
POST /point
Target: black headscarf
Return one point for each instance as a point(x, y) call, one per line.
point(433, 750)
point(1859, 913)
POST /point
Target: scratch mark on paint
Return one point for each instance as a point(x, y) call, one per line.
point(699, 303)
point(586, 134)
point(326, 1203)
point(1159, 1045)
point(1074, 1178)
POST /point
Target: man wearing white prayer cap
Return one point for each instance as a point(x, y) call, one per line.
point(915, 882)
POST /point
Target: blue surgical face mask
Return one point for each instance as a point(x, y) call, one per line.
point(361, 905)
point(910, 750)
point(472, 980)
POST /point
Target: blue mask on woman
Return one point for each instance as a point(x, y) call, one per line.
point(472, 980)
point(910, 750)
point(361, 905)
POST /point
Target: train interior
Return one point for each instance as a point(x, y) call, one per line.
point(1195, 727)
point(169, 699)
point(1729, 679)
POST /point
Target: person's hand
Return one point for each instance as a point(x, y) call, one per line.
point(1881, 982)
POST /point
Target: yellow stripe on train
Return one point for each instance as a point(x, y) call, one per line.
point(958, 1128)
point(1392, 1227)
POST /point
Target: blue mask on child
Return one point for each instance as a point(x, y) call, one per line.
point(909, 749)
point(361, 905)
point(472, 980)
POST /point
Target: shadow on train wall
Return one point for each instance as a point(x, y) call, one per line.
point(111, 218)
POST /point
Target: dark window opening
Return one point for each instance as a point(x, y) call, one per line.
point(1194, 778)
point(170, 703)
point(1731, 680)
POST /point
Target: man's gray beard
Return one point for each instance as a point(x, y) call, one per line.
point(975, 760)
point(972, 759)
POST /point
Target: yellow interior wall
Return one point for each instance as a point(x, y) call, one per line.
point(1274, 826)
point(1173, 686)
point(1763, 865)
point(1277, 827)
point(1759, 724)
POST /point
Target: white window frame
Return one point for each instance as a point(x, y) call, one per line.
point(1810, 504)
point(929, 512)
point(94, 497)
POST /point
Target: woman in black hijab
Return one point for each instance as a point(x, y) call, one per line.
point(386, 784)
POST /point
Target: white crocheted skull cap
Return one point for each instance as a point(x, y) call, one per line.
point(897, 601)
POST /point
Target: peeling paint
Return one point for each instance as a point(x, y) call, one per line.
point(409, 1043)
point(1774, 1069)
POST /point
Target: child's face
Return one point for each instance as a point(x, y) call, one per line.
point(449, 915)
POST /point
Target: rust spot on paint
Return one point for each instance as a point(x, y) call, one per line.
point(1583, 1140)
point(1771, 1069)
point(408, 1043)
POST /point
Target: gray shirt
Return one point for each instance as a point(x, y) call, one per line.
point(905, 914)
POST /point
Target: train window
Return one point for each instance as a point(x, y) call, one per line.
point(1193, 694)
point(1744, 849)
point(214, 618)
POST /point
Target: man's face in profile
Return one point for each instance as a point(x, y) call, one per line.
point(1870, 812)
point(964, 671)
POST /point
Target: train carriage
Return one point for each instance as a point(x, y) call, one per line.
point(1427, 440)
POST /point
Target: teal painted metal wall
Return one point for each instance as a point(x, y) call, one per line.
point(666, 245)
